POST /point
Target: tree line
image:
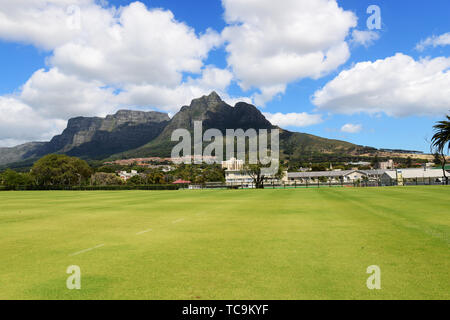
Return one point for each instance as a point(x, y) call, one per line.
point(57, 171)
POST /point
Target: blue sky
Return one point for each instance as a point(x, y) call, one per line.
point(404, 25)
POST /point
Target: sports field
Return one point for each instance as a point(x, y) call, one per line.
point(236, 244)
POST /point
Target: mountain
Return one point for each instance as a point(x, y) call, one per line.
point(132, 134)
point(95, 138)
point(215, 113)
point(19, 153)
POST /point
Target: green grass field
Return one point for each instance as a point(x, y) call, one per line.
point(237, 244)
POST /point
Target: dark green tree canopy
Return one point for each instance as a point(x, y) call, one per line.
point(56, 169)
point(12, 178)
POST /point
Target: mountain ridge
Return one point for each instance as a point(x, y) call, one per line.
point(130, 134)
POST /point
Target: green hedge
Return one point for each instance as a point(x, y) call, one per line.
point(91, 188)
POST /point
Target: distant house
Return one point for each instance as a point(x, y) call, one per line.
point(374, 175)
point(233, 164)
point(237, 177)
point(345, 176)
point(125, 175)
point(386, 165)
point(411, 176)
point(359, 163)
point(235, 174)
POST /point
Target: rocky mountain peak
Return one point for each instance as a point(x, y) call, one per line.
point(211, 101)
point(213, 98)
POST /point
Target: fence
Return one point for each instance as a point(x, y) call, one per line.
point(90, 188)
point(221, 185)
point(319, 184)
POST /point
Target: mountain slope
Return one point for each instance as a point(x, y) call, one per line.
point(20, 153)
point(95, 138)
point(215, 113)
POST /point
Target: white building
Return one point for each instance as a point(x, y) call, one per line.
point(386, 165)
point(374, 175)
point(422, 176)
point(237, 177)
point(125, 175)
point(233, 164)
point(234, 174)
point(345, 176)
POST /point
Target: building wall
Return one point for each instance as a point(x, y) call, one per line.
point(386, 165)
point(345, 177)
point(233, 164)
point(237, 177)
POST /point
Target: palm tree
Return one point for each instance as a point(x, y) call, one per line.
point(441, 141)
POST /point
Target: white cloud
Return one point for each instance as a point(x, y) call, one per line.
point(49, 98)
point(132, 56)
point(351, 128)
point(55, 94)
point(20, 123)
point(130, 45)
point(43, 23)
point(8, 143)
point(134, 46)
point(396, 86)
point(172, 98)
point(434, 41)
point(109, 58)
point(364, 38)
point(272, 44)
point(294, 119)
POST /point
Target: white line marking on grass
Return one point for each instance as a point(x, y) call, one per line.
point(179, 220)
point(142, 232)
point(86, 250)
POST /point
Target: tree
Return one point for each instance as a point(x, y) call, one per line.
point(56, 169)
point(440, 142)
point(255, 171)
point(375, 162)
point(155, 177)
point(136, 180)
point(437, 159)
point(318, 167)
point(105, 179)
point(12, 179)
point(408, 162)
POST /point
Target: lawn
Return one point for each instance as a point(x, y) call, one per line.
point(226, 244)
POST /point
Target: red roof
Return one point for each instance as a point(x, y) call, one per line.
point(181, 182)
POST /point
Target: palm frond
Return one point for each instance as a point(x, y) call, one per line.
point(441, 137)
